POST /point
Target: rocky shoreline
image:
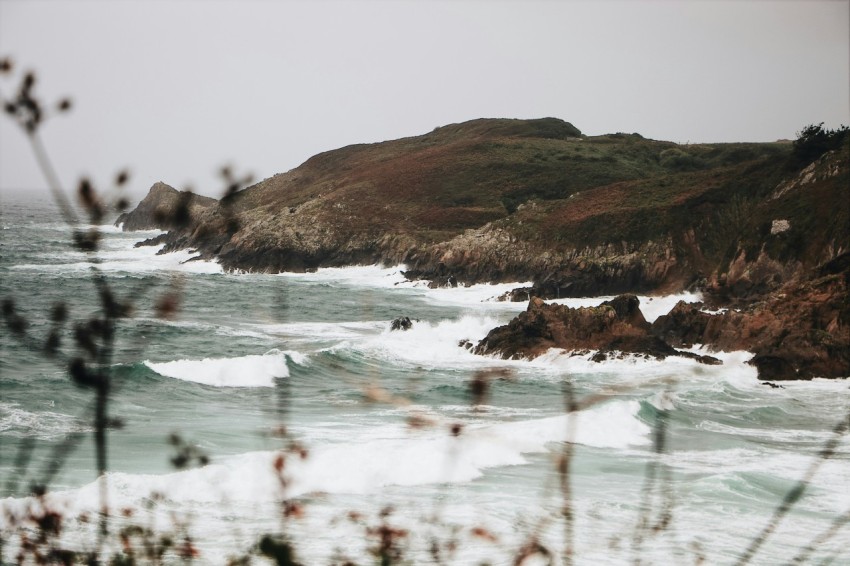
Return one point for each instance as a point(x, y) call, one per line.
point(534, 200)
point(799, 332)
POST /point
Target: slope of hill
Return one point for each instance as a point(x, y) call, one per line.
point(501, 200)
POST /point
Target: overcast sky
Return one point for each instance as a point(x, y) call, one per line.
point(174, 89)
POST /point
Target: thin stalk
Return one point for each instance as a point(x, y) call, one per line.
point(796, 492)
point(836, 526)
point(564, 472)
point(53, 183)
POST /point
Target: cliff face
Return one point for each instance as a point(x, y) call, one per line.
point(800, 332)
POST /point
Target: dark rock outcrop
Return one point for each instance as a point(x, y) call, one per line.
point(799, 332)
point(155, 241)
point(165, 208)
point(401, 323)
point(614, 327)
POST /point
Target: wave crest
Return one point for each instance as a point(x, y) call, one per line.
point(244, 371)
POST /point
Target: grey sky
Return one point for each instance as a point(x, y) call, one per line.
point(175, 89)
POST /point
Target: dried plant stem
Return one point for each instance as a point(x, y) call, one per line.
point(839, 522)
point(46, 166)
point(564, 474)
point(796, 492)
point(644, 524)
point(105, 353)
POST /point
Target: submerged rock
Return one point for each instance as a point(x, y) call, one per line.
point(401, 323)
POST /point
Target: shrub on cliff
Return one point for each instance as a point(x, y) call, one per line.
point(813, 141)
point(676, 160)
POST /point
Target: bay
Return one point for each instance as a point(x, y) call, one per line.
point(387, 420)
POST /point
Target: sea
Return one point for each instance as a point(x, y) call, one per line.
point(250, 405)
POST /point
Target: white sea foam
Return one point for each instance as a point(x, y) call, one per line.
point(358, 275)
point(244, 371)
point(429, 344)
point(43, 425)
point(482, 295)
point(638, 370)
point(769, 434)
point(370, 463)
point(321, 330)
point(219, 329)
point(393, 278)
point(788, 465)
point(123, 258)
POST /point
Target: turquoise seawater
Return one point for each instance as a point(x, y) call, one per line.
point(377, 412)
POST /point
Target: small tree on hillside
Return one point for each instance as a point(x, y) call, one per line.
point(813, 141)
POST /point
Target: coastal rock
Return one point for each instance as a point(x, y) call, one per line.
point(799, 332)
point(164, 208)
point(518, 295)
point(611, 329)
point(401, 323)
point(684, 326)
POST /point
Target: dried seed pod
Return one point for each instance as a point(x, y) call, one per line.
point(90, 201)
point(122, 177)
point(84, 339)
point(168, 306)
point(59, 313)
point(14, 322)
point(87, 241)
point(28, 83)
point(51, 345)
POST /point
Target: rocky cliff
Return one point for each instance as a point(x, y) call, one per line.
point(507, 200)
point(503, 200)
